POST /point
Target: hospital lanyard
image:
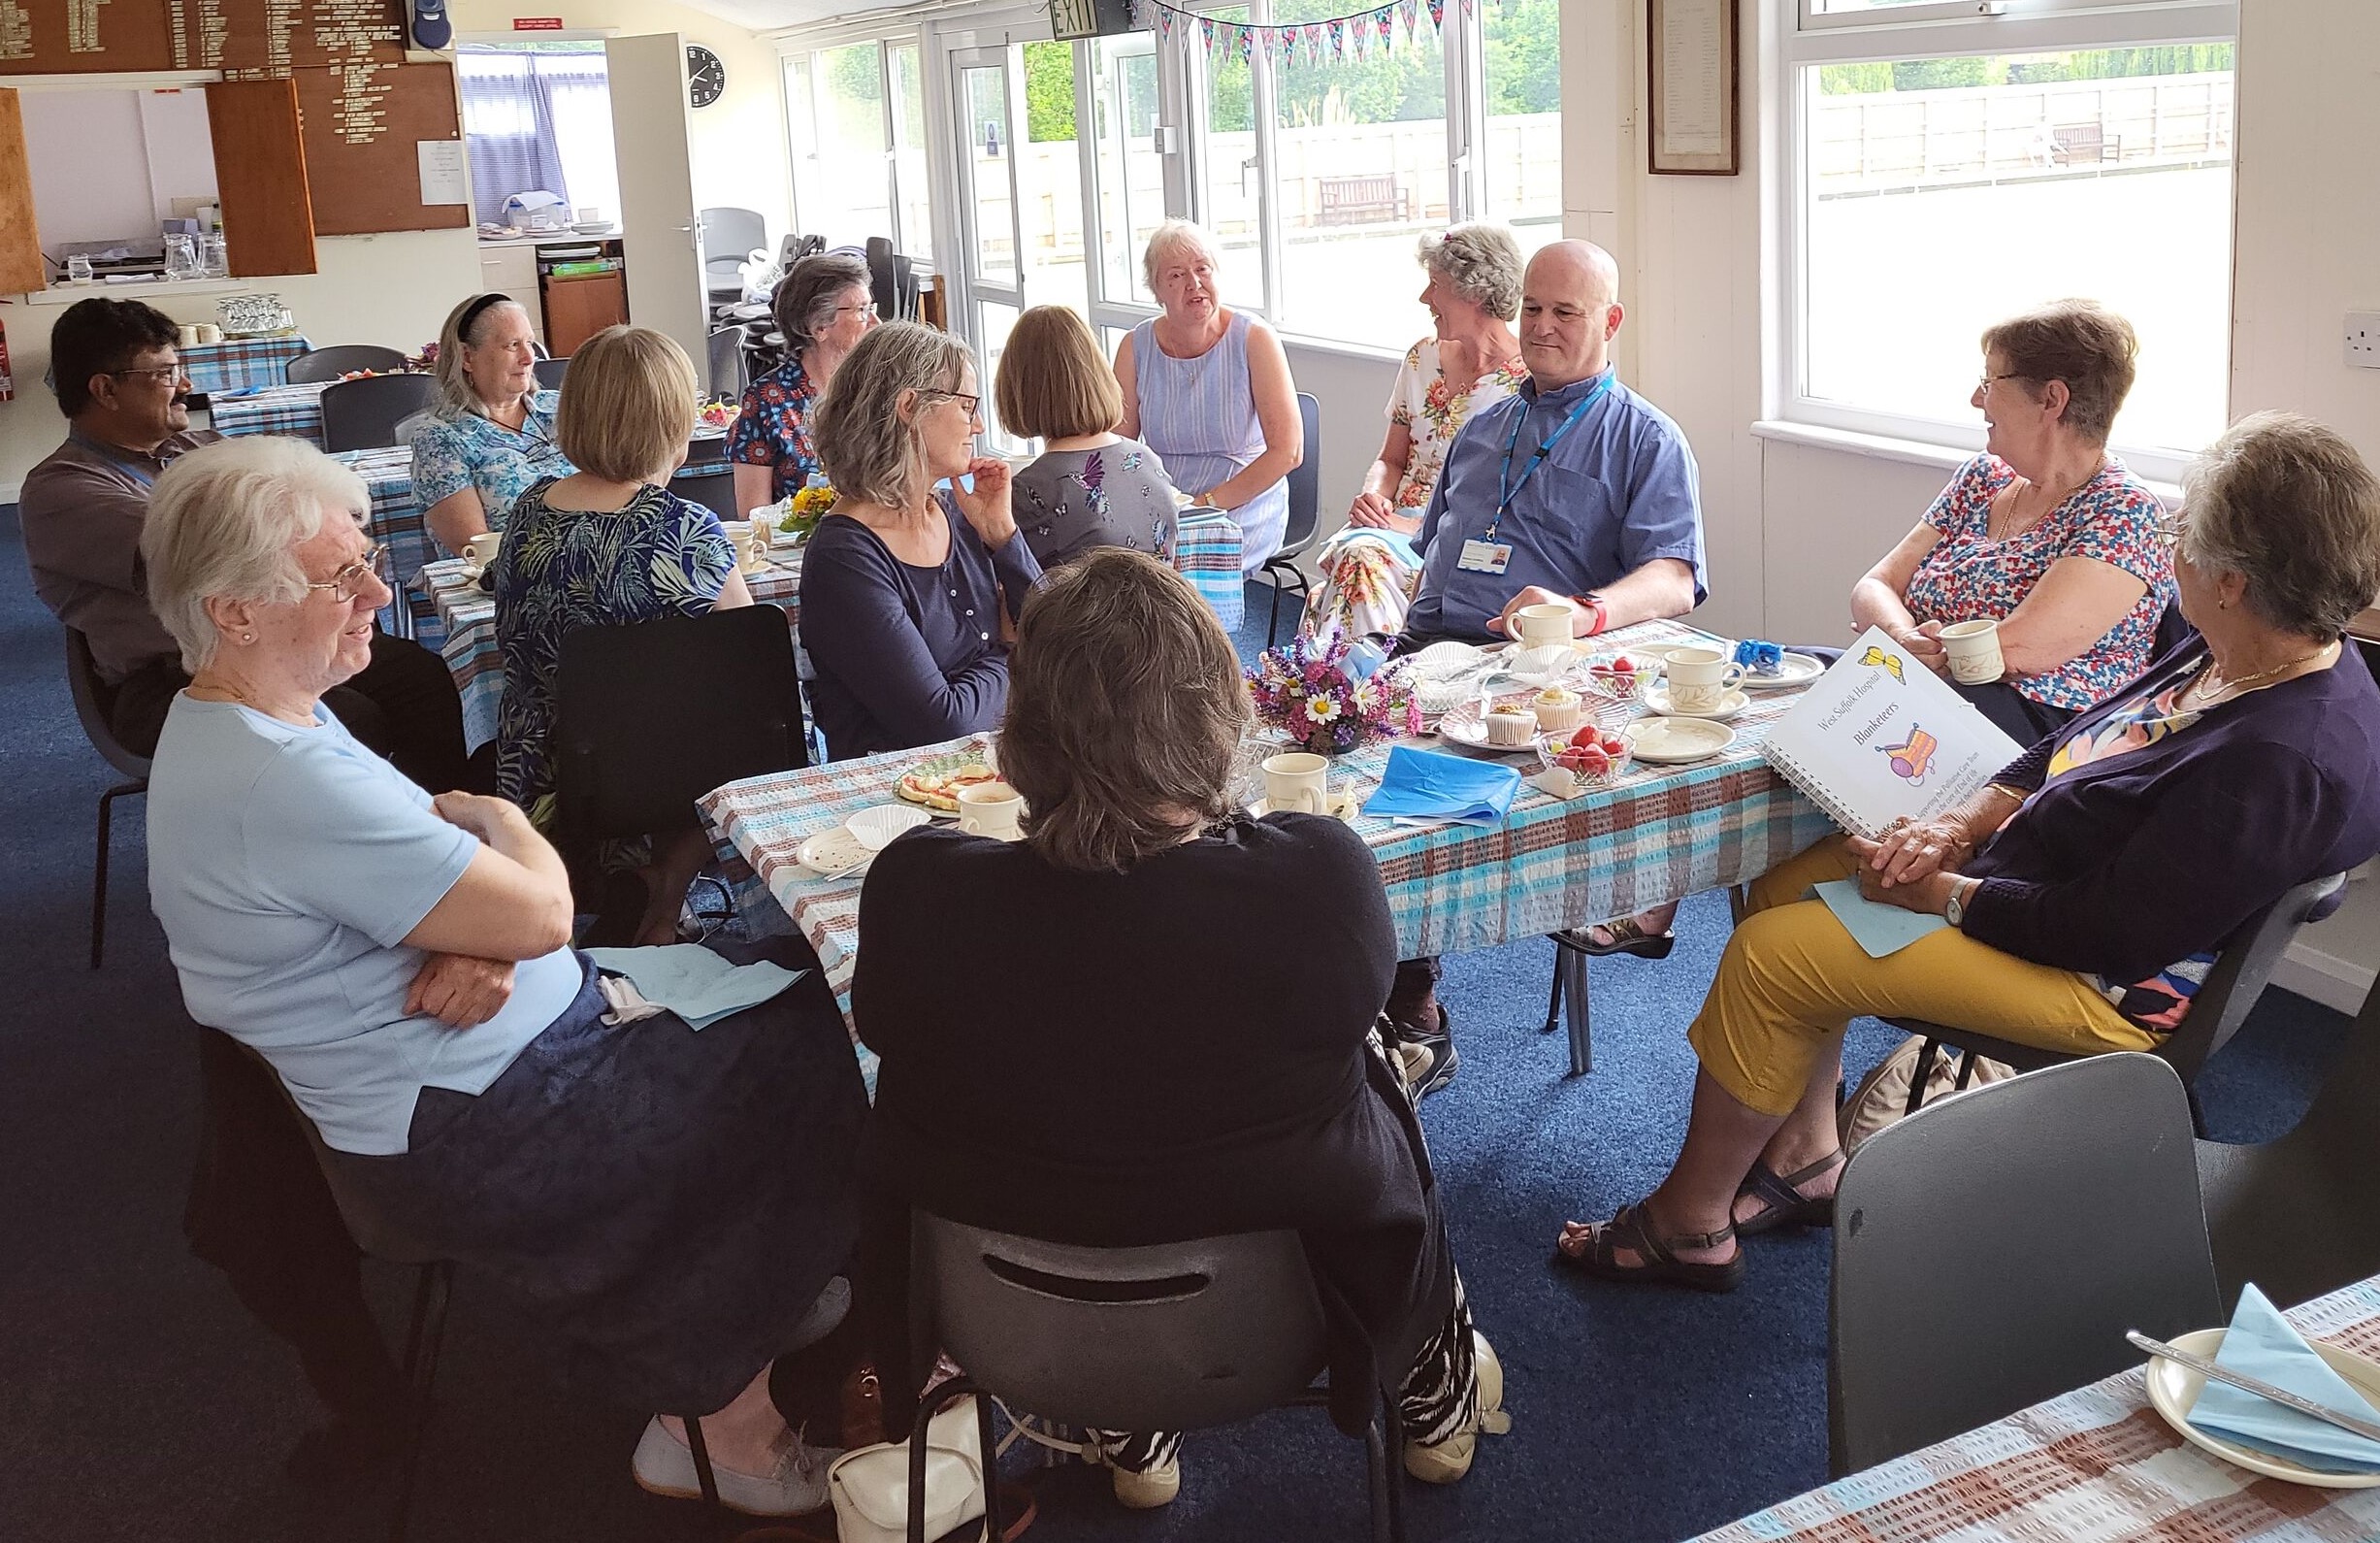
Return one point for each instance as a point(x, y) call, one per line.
point(1508, 489)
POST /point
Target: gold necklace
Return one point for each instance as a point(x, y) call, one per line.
point(2211, 683)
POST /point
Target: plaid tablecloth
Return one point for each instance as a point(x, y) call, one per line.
point(238, 363)
point(272, 410)
point(1661, 833)
point(2091, 1467)
point(466, 615)
point(1206, 551)
point(397, 524)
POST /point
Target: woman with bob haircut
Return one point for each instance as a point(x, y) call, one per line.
point(605, 546)
point(493, 431)
point(823, 309)
point(673, 1206)
point(910, 586)
point(1048, 1028)
point(1090, 486)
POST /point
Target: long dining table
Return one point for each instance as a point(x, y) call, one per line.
point(1657, 834)
point(2088, 1466)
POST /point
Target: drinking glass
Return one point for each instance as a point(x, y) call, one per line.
point(181, 257)
point(78, 269)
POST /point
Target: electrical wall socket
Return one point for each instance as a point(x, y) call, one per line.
point(2364, 338)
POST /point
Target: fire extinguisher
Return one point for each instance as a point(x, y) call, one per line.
point(8, 389)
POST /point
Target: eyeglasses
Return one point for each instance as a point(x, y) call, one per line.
point(846, 310)
point(1985, 383)
point(971, 403)
point(348, 582)
point(163, 373)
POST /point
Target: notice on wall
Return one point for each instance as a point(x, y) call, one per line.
point(443, 177)
point(1694, 78)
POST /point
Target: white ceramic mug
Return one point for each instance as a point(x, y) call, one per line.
point(480, 549)
point(1297, 782)
point(1974, 647)
point(186, 337)
point(209, 332)
point(992, 808)
point(1700, 678)
point(1542, 626)
point(752, 552)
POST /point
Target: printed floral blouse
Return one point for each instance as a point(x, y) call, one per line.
point(1968, 575)
point(468, 451)
point(562, 569)
point(1433, 413)
point(773, 428)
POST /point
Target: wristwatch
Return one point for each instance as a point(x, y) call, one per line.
point(1954, 909)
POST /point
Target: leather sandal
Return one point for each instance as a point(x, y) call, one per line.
point(1628, 1229)
point(1627, 937)
point(1784, 1203)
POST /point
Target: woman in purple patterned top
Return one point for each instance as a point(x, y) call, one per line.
point(1090, 486)
point(2045, 532)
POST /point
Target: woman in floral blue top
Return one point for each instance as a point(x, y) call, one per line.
point(823, 309)
point(604, 547)
point(494, 433)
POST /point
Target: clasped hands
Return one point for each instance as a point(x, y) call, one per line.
point(1914, 863)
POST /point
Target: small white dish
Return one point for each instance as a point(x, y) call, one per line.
point(875, 826)
point(1799, 669)
point(830, 851)
point(1445, 661)
point(591, 227)
point(1345, 806)
point(1466, 725)
point(1676, 742)
point(2173, 1388)
point(1657, 703)
point(471, 571)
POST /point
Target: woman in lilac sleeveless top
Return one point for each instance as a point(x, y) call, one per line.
point(1208, 389)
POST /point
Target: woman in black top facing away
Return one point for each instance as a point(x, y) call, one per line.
point(1033, 1079)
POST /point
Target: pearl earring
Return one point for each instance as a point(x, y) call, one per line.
point(247, 636)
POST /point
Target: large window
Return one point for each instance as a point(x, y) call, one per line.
point(855, 116)
point(538, 119)
point(1956, 171)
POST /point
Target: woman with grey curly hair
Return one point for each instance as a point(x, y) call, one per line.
point(1469, 361)
point(823, 309)
point(912, 585)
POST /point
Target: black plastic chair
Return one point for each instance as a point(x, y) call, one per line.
point(1305, 517)
point(725, 360)
point(1991, 1249)
point(363, 414)
point(2295, 1214)
point(713, 490)
point(2240, 972)
point(549, 373)
point(91, 707)
point(329, 364)
point(1182, 1336)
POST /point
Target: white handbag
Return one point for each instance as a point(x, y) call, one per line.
point(869, 1485)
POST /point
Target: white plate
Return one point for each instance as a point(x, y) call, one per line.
point(1464, 724)
point(830, 851)
point(2174, 1387)
point(1349, 806)
point(1674, 741)
point(1446, 661)
point(1657, 703)
point(876, 826)
point(1800, 670)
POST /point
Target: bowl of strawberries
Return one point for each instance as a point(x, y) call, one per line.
point(1594, 756)
point(1624, 675)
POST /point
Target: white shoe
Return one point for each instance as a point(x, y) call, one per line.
point(796, 1485)
point(1445, 1462)
point(1146, 1492)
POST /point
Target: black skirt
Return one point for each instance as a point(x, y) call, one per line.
point(669, 1202)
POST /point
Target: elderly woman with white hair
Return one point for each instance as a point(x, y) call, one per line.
point(493, 432)
point(1469, 362)
point(911, 587)
point(1208, 389)
point(674, 1204)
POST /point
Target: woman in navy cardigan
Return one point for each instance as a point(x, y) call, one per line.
point(2087, 888)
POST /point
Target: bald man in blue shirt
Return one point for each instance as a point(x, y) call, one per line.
point(1574, 491)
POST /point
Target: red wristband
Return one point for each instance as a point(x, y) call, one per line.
point(1601, 616)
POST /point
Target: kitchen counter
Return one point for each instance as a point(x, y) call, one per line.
point(557, 238)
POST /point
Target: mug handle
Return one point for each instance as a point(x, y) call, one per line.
point(1311, 800)
point(1732, 679)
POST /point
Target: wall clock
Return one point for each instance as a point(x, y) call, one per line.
point(706, 76)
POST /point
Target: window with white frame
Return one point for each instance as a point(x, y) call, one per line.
point(1951, 168)
point(855, 118)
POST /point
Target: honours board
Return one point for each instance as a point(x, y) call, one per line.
point(362, 127)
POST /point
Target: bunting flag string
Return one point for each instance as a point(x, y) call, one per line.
point(1358, 35)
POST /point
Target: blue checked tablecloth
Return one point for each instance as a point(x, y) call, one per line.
point(2090, 1466)
point(1660, 832)
point(1206, 551)
point(238, 363)
point(466, 615)
point(396, 525)
point(272, 410)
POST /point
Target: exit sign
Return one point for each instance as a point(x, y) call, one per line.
point(1089, 18)
point(536, 24)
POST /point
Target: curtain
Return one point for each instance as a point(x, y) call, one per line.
point(538, 123)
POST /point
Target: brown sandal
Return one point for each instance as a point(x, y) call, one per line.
point(1628, 1229)
point(1785, 1205)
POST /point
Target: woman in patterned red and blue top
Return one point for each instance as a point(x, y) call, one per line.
point(823, 309)
point(2044, 533)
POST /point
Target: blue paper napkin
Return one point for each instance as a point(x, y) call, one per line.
point(1423, 786)
point(693, 982)
point(1877, 928)
point(2261, 1344)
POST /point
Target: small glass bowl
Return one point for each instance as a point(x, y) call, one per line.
point(1550, 748)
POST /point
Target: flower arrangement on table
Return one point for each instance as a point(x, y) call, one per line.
point(424, 362)
point(803, 508)
point(1319, 697)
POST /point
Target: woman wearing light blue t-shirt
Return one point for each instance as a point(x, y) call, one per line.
point(674, 1203)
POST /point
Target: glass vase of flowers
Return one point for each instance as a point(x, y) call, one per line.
point(1325, 699)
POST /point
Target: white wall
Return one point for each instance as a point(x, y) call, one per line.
point(89, 159)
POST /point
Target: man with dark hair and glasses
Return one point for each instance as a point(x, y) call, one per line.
point(120, 384)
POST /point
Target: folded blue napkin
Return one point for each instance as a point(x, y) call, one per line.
point(693, 982)
point(1877, 928)
point(233, 396)
point(2261, 1344)
point(1423, 786)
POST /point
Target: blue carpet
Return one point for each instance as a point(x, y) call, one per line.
point(142, 1404)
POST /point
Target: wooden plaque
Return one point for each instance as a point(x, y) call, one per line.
point(82, 37)
point(362, 125)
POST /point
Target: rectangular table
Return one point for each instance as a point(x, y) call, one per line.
point(466, 616)
point(1206, 551)
point(396, 525)
point(238, 363)
point(2090, 1466)
point(295, 409)
point(1659, 833)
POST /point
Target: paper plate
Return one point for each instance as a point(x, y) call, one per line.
point(2173, 1388)
point(1676, 742)
point(1345, 806)
point(1657, 703)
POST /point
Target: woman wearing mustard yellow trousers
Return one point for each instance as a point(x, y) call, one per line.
point(2086, 889)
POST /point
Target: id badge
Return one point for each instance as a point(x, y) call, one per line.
point(1485, 557)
